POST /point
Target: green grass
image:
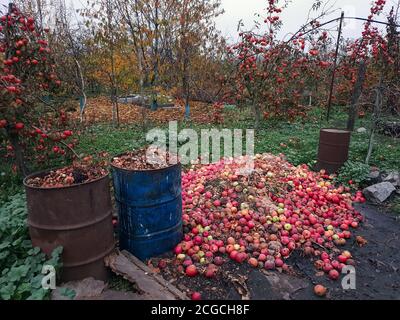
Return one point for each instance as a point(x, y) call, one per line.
point(107, 138)
point(10, 183)
point(298, 140)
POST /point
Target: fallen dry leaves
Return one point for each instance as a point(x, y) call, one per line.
point(361, 241)
point(100, 110)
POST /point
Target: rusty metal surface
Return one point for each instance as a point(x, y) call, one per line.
point(333, 149)
point(79, 218)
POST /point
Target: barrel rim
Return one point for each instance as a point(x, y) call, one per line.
point(39, 173)
point(178, 164)
point(338, 129)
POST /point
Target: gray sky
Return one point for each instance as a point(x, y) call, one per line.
point(293, 16)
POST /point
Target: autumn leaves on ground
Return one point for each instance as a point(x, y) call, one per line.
point(100, 110)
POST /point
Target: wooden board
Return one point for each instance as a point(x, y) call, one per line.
point(175, 291)
point(151, 285)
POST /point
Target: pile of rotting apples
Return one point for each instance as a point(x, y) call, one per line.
point(262, 217)
point(67, 176)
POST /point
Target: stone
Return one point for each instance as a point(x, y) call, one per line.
point(374, 177)
point(118, 295)
point(133, 99)
point(361, 130)
point(390, 128)
point(393, 177)
point(88, 288)
point(379, 192)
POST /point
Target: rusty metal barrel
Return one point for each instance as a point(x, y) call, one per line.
point(333, 149)
point(78, 218)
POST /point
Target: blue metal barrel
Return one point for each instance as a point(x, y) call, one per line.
point(150, 210)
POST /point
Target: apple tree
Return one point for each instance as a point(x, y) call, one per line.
point(31, 128)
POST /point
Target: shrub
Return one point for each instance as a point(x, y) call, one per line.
point(353, 171)
point(20, 263)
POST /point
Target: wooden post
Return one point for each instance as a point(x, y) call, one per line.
point(356, 95)
point(334, 68)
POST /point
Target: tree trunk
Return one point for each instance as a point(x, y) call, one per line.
point(141, 85)
point(82, 88)
point(39, 5)
point(154, 103)
point(19, 155)
point(114, 87)
point(186, 59)
point(356, 95)
point(257, 115)
point(138, 42)
point(185, 85)
point(375, 118)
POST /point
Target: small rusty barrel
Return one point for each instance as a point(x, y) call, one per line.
point(333, 149)
point(150, 209)
point(78, 218)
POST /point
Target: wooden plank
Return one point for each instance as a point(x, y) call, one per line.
point(175, 291)
point(150, 288)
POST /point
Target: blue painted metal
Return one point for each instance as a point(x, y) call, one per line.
point(150, 210)
point(154, 105)
point(81, 102)
point(187, 112)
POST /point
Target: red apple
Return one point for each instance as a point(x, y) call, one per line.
point(334, 274)
point(196, 296)
point(191, 271)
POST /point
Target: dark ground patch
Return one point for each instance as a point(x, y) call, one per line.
point(377, 270)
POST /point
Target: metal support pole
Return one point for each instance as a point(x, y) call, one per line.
point(334, 68)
